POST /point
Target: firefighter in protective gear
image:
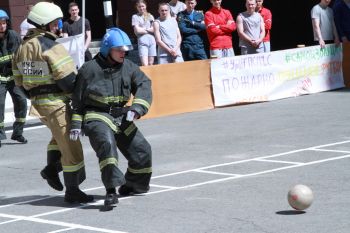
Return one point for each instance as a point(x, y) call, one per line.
point(47, 72)
point(104, 86)
point(9, 42)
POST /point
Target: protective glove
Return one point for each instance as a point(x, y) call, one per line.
point(131, 115)
point(74, 134)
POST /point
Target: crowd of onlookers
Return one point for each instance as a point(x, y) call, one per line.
point(181, 31)
point(178, 33)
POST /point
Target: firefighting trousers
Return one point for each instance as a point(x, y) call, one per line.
point(19, 105)
point(72, 159)
point(54, 155)
point(132, 145)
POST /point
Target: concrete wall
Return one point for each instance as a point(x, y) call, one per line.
point(17, 9)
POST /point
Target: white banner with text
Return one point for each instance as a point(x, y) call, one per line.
point(276, 75)
point(75, 47)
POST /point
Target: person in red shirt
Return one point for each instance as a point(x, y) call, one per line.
point(267, 16)
point(220, 25)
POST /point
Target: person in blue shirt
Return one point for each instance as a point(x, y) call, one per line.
point(191, 25)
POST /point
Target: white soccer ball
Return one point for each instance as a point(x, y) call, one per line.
point(300, 197)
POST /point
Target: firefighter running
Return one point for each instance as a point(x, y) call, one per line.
point(47, 73)
point(104, 86)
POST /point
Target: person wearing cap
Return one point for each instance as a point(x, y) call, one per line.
point(46, 72)
point(104, 87)
point(9, 42)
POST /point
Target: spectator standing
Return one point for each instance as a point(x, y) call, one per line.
point(191, 24)
point(175, 7)
point(342, 19)
point(45, 70)
point(73, 26)
point(267, 16)
point(323, 25)
point(104, 86)
point(142, 23)
point(251, 30)
point(9, 42)
point(220, 26)
point(168, 37)
point(25, 26)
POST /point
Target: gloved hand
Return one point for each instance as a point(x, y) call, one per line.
point(74, 134)
point(131, 115)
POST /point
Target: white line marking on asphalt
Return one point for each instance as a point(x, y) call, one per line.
point(330, 144)
point(216, 173)
point(334, 151)
point(163, 186)
point(58, 223)
point(276, 161)
point(65, 229)
point(248, 160)
point(262, 172)
point(35, 218)
point(28, 128)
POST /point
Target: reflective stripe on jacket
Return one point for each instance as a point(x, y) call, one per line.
point(99, 85)
point(40, 60)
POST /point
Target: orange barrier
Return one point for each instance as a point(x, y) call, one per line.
point(180, 87)
point(346, 63)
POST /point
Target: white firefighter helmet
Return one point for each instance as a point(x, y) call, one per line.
point(44, 13)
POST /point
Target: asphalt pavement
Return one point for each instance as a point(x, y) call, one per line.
point(218, 171)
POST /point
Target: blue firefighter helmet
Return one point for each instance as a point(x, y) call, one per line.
point(3, 15)
point(115, 38)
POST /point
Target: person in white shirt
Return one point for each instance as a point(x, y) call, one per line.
point(25, 26)
point(323, 25)
point(168, 36)
point(176, 7)
point(142, 23)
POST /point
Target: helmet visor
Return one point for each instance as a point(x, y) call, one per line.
point(124, 48)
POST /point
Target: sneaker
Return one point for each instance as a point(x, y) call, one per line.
point(111, 199)
point(19, 138)
point(50, 174)
point(77, 196)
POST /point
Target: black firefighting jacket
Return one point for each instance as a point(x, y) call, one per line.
point(102, 91)
point(8, 45)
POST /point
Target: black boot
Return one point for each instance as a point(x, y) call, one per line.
point(125, 190)
point(75, 195)
point(50, 174)
point(19, 138)
point(111, 199)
